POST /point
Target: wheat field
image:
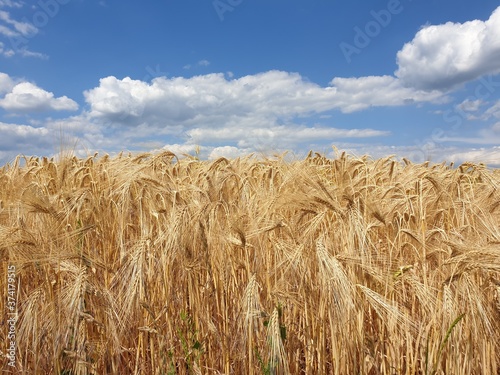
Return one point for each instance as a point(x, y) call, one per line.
point(150, 264)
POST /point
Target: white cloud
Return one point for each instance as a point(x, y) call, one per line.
point(284, 136)
point(16, 34)
point(489, 156)
point(6, 83)
point(74, 124)
point(486, 136)
point(493, 111)
point(204, 152)
point(22, 130)
point(252, 113)
point(23, 139)
point(180, 149)
point(15, 28)
point(354, 94)
point(261, 98)
point(199, 63)
point(6, 31)
point(469, 109)
point(496, 127)
point(229, 152)
point(74, 135)
point(4, 52)
point(470, 105)
point(441, 57)
point(228, 116)
point(473, 110)
point(113, 97)
point(27, 97)
point(24, 52)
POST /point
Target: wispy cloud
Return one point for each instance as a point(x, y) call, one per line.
point(199, 63)
point(16, 28)
point(493, 111)
point(11, 3)
point(15, 34)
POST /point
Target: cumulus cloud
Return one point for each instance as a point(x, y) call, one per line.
point(441, 57)
point(228, 116)
point(27, 97)
point(212, 99)
point(252, 113)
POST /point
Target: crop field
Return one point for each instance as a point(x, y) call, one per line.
point(150, 264)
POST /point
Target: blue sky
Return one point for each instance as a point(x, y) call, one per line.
point(416, 79)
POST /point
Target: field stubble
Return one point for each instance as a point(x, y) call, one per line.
point(153, 265)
